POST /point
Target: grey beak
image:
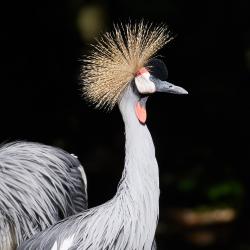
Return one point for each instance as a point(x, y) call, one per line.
point(164, 86)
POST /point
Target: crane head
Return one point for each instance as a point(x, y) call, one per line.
point(124, 56)
point(149, 80)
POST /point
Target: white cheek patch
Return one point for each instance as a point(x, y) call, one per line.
point(143, 83)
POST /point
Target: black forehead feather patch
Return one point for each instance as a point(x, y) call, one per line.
point(158, 69)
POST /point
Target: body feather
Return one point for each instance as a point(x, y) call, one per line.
point(129, 220)
point(39, 185)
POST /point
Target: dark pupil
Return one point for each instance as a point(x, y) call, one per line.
point(158, 69)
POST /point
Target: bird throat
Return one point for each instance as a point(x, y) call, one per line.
point(140, 110)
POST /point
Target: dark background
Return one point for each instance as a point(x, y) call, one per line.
point(202, 140)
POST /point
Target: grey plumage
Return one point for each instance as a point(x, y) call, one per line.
point(39, 185)
point(128, 221)
point(116, 73)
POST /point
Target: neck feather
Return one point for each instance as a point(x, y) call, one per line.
point(139, 186)
point(140, 162)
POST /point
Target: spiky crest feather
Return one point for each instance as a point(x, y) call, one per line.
point(116, 57)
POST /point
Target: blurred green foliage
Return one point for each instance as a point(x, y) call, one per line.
point(194, 185)
point(226, 190)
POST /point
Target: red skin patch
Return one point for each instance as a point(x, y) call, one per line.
point(141, 113)
point(141, 71)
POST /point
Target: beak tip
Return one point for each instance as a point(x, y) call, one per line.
point(182, 91)
point(164, 86)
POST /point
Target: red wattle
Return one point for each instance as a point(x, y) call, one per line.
point(141, 113)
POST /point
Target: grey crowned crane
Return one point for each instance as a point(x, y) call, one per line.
point(39, 185)
point(120, 69)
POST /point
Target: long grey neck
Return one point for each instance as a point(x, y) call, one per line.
point(140, 179)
